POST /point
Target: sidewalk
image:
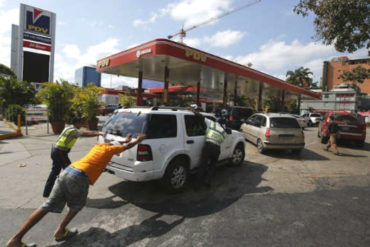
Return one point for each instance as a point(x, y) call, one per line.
point(5, 129)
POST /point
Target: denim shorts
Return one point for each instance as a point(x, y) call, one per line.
point(70, 189)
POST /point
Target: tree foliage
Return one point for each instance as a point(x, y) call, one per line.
point(243, 100)
point(58, 97)
point(344, 23)
point(14, 92)
point(300, 77)
point(6, 71)
point(127, 100)
point(358, 74)
point(85, 102)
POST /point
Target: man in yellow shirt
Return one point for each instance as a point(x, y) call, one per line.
point(71, 188)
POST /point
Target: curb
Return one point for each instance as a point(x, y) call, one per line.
point(10, 135)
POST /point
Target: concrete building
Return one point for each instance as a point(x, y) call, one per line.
point(86, 75)
point(333, 69)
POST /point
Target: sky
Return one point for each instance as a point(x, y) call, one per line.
point(268, 34)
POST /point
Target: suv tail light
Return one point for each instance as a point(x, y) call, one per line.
point(267, 133)
point(231, 117)
point(144, 153)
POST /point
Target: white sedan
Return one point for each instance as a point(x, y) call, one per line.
point(303, 122)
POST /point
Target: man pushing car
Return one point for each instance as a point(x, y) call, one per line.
point(71, 188)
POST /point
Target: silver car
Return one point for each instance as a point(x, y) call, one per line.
point(274, 131)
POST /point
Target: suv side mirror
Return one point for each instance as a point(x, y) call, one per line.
point(228, 131)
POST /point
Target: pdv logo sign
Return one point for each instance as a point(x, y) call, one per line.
point(37, 22)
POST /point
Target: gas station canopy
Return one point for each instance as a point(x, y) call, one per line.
point(177, 63)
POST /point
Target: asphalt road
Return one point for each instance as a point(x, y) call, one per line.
point(278, 199)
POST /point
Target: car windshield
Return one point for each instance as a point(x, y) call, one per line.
point(347, 118)
point(283, 122)
point(122, 124)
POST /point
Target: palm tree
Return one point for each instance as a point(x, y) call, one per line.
point(301, 78)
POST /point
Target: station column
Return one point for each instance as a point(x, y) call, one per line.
point(139, 97)
point(225, 90)
point(165, 89)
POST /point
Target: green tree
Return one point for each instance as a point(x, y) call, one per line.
point(271, 104)
point(358, 75)
point(344, 23)
point(243, 100)
point(58, 97)
point(14, 92)
point(6, 71)
point(127, 100)
point(300, 77)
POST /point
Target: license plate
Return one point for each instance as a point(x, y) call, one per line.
point(345, 128)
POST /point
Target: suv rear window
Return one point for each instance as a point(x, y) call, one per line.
point(284, 122)
point(195, 126)
point(347, 118)
point(161, 126)
point(122, 124)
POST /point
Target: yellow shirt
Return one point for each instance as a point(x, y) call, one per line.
point(97, 159)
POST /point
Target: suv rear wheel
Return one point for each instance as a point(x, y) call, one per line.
point(238, 155)
point(176, 175)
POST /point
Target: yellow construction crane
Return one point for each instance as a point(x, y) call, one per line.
point(182, 32)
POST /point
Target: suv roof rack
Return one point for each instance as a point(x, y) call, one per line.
point(173, 108)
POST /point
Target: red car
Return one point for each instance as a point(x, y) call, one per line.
point(102, 110)
point(351, 127)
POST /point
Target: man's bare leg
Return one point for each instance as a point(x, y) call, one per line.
point(62, 227)
point(36, 216)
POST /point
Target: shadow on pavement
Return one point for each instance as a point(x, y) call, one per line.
point(149, 228)
point(228, 185)
point(352, 155)
point(353, 145)
point(306, 154)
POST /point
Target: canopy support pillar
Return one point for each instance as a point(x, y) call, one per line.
point(282, 99)
point(139, 99)
point(235, 90)
point(198, 92)
point(259, 100)
point(165, 89)
point(224, 101)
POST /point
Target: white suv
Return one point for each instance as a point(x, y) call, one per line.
point(312, 118)
point(172, 148)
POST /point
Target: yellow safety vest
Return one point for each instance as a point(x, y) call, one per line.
point(66, 141)
point(215, 133)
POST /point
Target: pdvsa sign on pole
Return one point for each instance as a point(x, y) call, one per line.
point(35, 45)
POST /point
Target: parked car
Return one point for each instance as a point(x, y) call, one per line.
point(102, 110)
point(351, 127)
point(111, 108)
point(235, 115)
point(303, 122)
point(172, 148)
point(274, 131)
point(313, 118)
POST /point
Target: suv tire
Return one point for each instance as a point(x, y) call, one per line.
point(238, 155)
point(260, 146)
point(176, 175)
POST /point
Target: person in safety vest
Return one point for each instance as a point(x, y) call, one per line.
point(72, 187)
point(215, 135)
point(59, 153)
